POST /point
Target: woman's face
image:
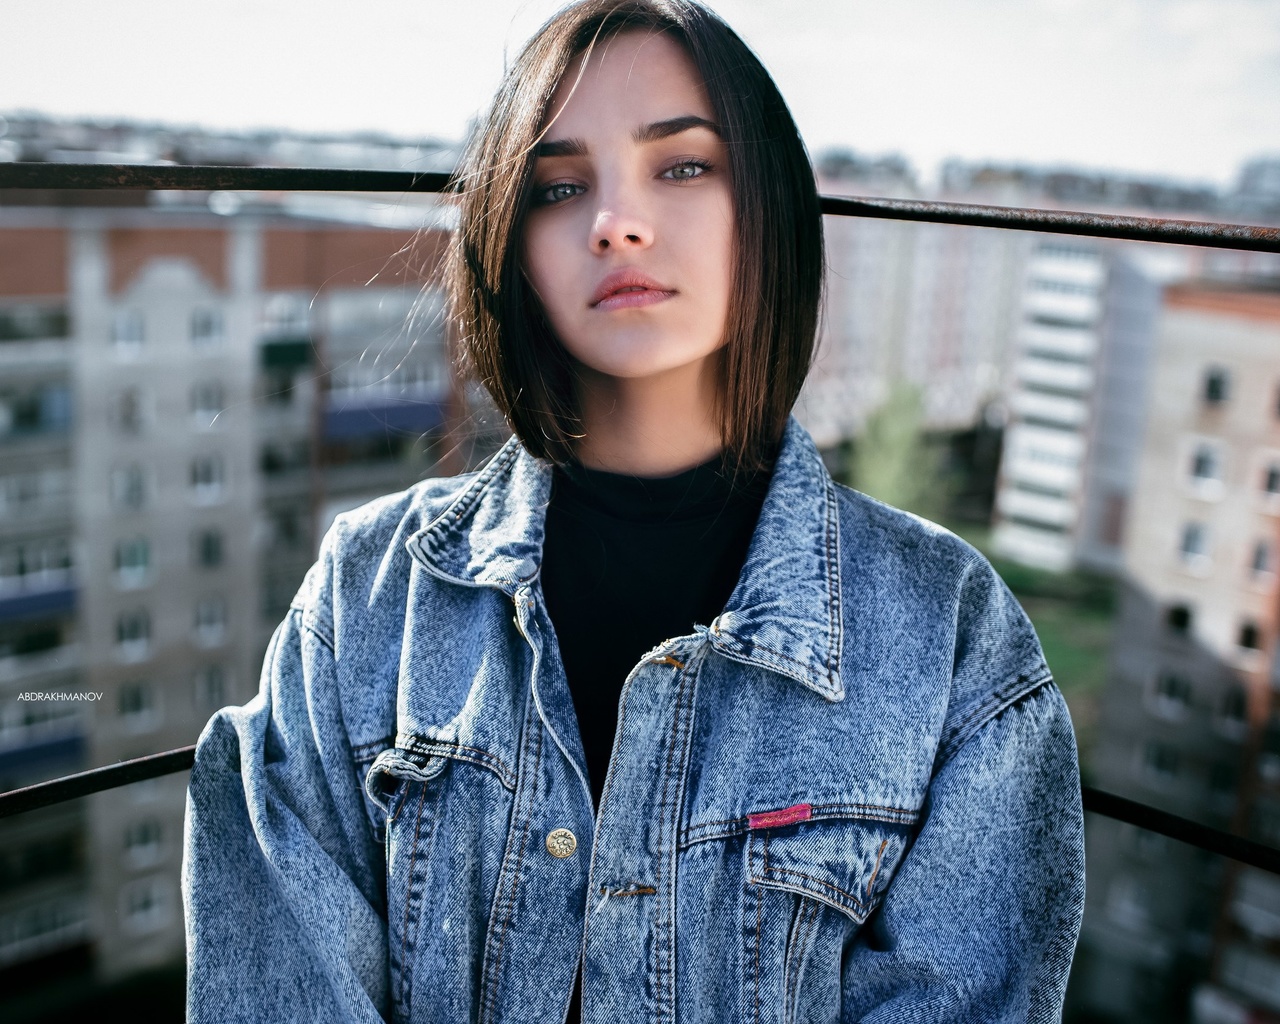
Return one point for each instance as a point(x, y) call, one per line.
point(629, 241)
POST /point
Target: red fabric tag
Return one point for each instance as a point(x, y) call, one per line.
point(776, 819)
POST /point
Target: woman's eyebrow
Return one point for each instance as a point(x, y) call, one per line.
point(654, 132)
point(673, 126)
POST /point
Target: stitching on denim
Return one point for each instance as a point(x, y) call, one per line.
point(808, 914)
point(759, 900)
point(820, 812)
point(820, 882)
point(815, 915)
point(461, 752)
point(876, 870)
point(408, 902)
point(463, 503)
point(310, 622)
point(669, 818)
point(1011, 694)
point(835, 620)
point(512, 896)
point(368, 751)
point(788, 955)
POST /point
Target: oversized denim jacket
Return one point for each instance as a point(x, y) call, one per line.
point(852, 796)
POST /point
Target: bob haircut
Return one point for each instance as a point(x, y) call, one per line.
point(506, 341)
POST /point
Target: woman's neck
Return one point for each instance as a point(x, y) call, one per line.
point(653, 426)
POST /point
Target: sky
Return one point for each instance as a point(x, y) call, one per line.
point(1185, 89)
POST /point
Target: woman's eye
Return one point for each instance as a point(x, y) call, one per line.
point(687, 170)
point(556, 193)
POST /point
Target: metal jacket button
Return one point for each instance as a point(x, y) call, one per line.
point(561, 843)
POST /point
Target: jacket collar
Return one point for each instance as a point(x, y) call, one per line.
point(784, 614)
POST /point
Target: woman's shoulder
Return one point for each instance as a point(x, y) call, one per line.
point(874, 534)
point(916, 588)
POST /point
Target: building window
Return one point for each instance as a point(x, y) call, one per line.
point(278, 387)
point(143, 842)
point(138, 709)
point(211, 620)
point(206, 327)
point(1129, 903)
point(1194, 546)
point(49, 924)
point(133, 559)
point(1178, 619)
point(1171, 697)
point(1271, 480)
point(1217, 385)
point(128, 329)
point(1160, 762)
point(146, 906)
point(1250, 638)
point(128, 410)
point(207, 478)
point(1205, 463)
point(207, 402)
point(1263, 560)
point(208, 549)
point(211, 688)
point(133, 634)
point(286, 530)
point(1233, 713)
point(128, 486)
point(35, 564)
point(1224, 779)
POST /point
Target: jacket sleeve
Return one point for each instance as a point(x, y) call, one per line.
point(981, 920)
point(282, 877)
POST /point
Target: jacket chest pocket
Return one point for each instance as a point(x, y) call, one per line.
point(445, 818)
point(810, 888)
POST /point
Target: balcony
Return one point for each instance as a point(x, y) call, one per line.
point(1066, 342)
point(1039, 450)
point(1062, 308)
point(1059, 410)
point(1054, 375)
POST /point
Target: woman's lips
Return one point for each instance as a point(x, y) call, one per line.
point(633, 298)
point(628, 289)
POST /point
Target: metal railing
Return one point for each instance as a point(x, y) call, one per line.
point(93, 177)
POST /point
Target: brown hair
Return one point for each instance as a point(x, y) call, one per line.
point(507, 343)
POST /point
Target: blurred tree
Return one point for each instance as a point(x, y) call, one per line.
point(895, 462)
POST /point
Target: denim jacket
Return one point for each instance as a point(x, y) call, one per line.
point(852, 796)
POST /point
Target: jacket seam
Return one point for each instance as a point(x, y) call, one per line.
point(462, 504)
point(310, 622)
point(694, 834)
point(460, 752)
point(1017, 690)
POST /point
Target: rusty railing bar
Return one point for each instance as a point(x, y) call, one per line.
point(1252, 237)
point(96, 780)
point(1226, 844)
point(1096, 801)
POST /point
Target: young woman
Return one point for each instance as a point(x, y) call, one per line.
point(647, 719)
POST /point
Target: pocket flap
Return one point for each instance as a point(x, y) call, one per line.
point(394, 764)
point(842, 862)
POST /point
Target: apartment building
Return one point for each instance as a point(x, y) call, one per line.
point(1187, 718)
point(187, 398)
point(931, 305)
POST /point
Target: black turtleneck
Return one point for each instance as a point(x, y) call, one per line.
point(630, 562)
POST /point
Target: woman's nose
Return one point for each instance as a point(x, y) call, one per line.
point(620, 225)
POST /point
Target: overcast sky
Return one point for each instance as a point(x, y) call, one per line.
point(1181, 88)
